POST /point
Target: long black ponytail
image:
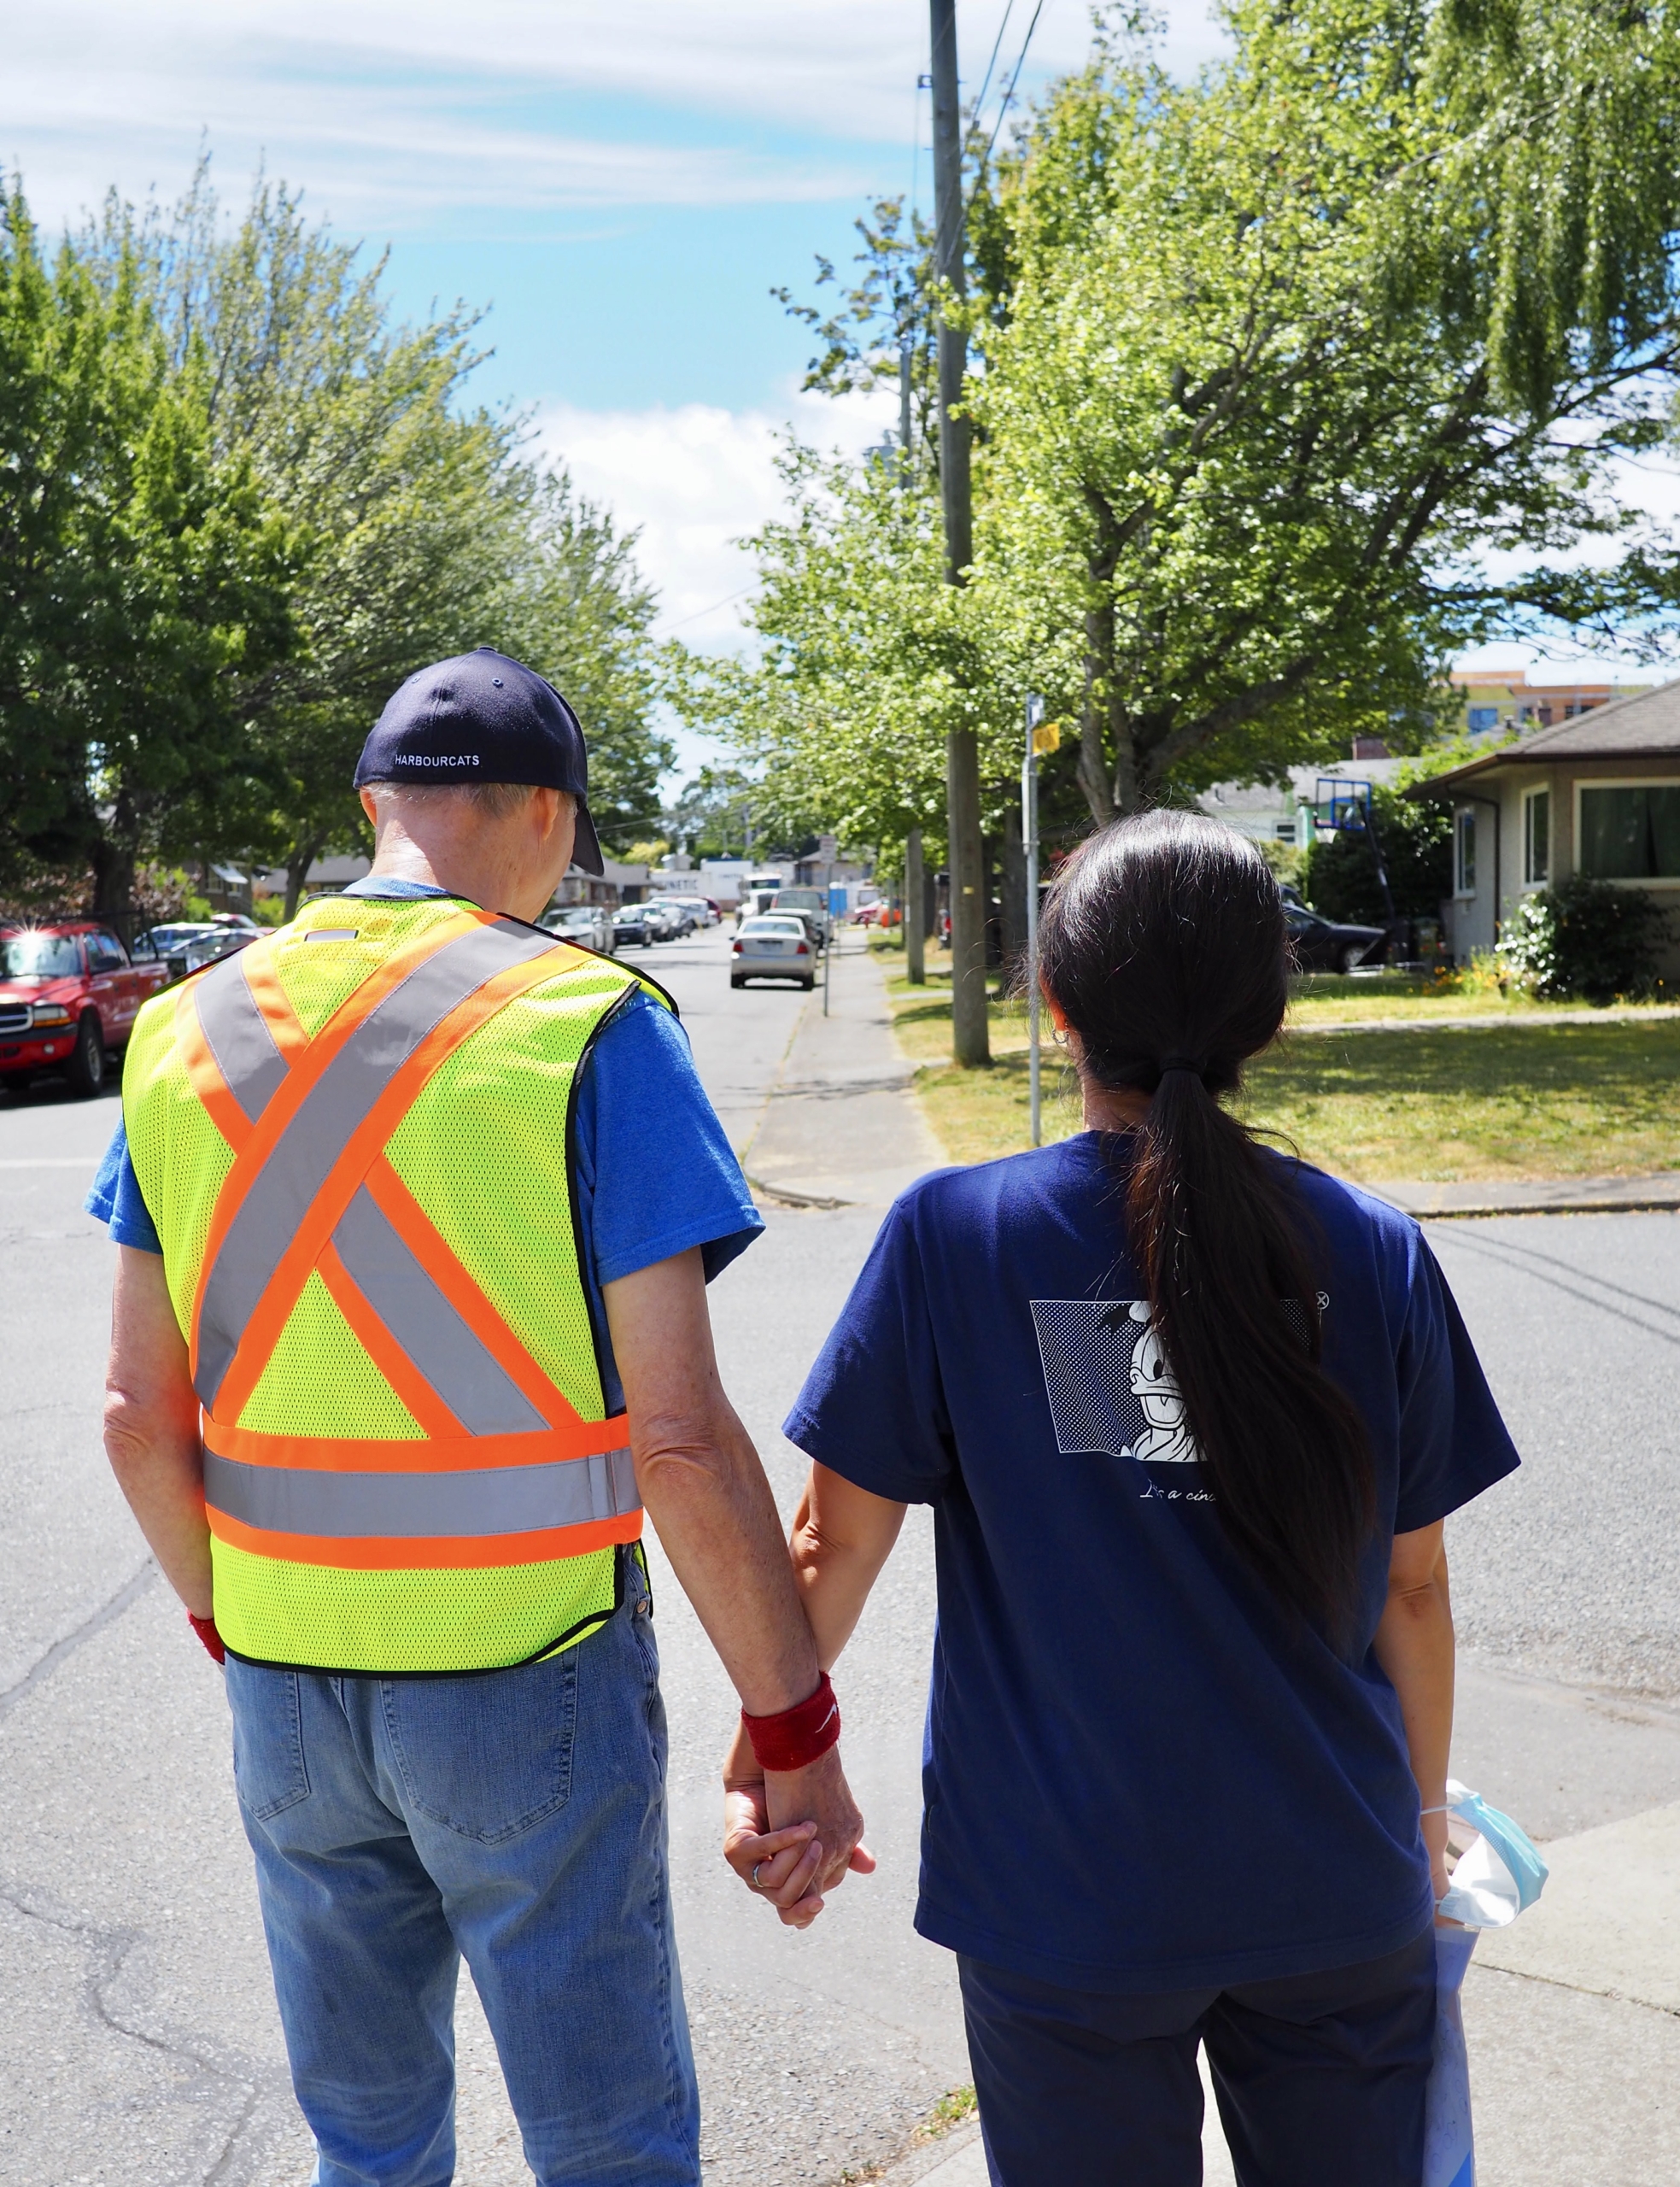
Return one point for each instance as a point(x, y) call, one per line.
point(1164, 947)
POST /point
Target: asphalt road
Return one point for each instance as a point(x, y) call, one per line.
point(137, 2038)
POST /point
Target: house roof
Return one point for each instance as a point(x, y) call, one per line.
point(1644, 725)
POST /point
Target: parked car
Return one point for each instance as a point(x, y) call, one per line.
point(668, 922)
point(773, 946)
point(185, 945)
point(69, 992)
point(1320, 945)
point(589, 926)
point(631, 927)
point(701, 909)
point(811, 906)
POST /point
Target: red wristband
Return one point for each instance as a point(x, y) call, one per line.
point(796, 1736)
point(205, 1627)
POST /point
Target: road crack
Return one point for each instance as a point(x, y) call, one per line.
point(211, 2073)
point(107, 1614)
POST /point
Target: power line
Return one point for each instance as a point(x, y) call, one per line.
point(1008, 94)
point(711, 610)
point(985, 81)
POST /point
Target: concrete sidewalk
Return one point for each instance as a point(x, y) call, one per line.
point(839, 1129)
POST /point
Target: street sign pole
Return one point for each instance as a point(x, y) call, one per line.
point(828, 928)
point(1029, 843)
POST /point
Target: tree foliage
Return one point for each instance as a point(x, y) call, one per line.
point(304, 507)
point(143, 578)
point(1275, 374)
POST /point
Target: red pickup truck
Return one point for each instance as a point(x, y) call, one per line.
point(68, 992)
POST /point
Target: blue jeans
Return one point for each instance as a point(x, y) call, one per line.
point(516, 1818)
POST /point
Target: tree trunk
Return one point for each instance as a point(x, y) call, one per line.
point(1129, 782)
point(1093, 767)
point(915, 911)
point(971, 1028)
point(116, 852)
point(299, 860)
point(1013, 894)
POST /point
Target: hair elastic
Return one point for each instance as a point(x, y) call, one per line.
point(1182, 1063)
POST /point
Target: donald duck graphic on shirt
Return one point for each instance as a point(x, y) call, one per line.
point(1109, 1383)
point(1111, 1389)
point(1166, 1439)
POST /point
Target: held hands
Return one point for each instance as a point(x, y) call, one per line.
point(799, 1828)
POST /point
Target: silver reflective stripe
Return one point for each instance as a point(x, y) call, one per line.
point(285, 1189)
point(238, 1035)
point(439, 1345)
point(421, 1506)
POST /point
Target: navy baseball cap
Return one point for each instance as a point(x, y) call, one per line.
point(482, 718)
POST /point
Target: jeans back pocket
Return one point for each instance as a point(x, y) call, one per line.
point(489, 1757)
point(269, 1771)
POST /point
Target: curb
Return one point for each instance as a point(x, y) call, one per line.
point(1658, 1195)
point(784, 1196)
point(944, 2160)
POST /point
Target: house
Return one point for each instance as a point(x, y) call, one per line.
point(1289, 812)
point(1597, 794)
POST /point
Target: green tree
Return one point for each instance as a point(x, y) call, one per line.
point(1267, 366)
point(1264, 401)
point(575, 607)
point(418, 526)
point(147, 580)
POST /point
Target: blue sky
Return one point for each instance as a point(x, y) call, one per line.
point(621, 182)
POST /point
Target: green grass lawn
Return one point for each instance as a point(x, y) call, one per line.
point(1527, 1099)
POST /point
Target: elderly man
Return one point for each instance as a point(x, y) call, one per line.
point(416, 1208)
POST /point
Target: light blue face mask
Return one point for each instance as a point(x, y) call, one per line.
point(1499, 1875)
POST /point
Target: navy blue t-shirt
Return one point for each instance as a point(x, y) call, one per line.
point(1141, 1773)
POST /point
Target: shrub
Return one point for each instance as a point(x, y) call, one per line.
point(1585, 938)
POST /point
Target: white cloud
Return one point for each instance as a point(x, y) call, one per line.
point(391, 108)
point(694, 480)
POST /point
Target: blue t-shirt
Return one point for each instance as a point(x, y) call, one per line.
point(655, 1173)
point(1140, 1773)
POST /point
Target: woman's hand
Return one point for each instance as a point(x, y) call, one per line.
point(800, 1831)
point(779, 1865)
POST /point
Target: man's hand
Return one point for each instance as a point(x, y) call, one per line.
point(801, 1828)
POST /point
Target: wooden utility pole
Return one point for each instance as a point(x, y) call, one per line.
point(970, 1042)
point(915, 911)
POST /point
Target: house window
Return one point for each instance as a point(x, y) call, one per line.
point(1464, 845)
point(1483, 717)
point(1631, 832)
point(1538, 838)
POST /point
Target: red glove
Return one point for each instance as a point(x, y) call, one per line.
point(205, 1627)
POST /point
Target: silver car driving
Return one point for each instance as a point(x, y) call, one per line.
point(772, 946)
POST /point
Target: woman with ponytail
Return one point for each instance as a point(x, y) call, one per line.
point(1191, 1415)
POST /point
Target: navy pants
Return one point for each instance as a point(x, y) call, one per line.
point(1321, 2078)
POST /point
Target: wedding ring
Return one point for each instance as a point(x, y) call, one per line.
point(757, 1865)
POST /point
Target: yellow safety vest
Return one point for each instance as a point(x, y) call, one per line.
point(355, 1139)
